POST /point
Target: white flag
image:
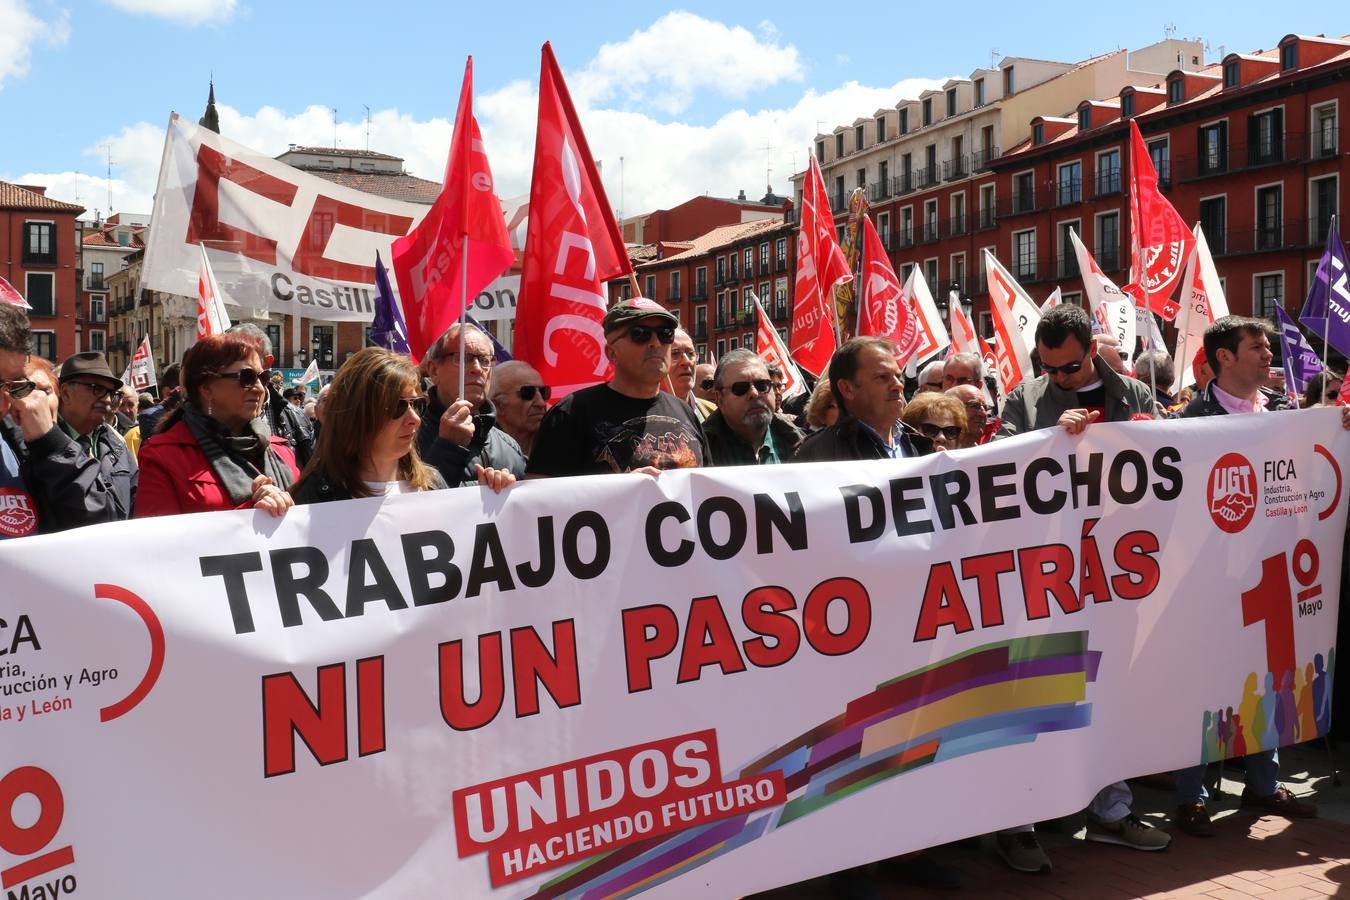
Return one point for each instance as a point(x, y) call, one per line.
point(1055, 299)
point(311, 372)
point(770, 347)
point(1112, 308)
point(211, 315)
point(1015, 321)
point(1202, 302)
point(931, 335)
point(141, 369)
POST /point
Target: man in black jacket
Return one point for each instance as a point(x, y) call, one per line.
point(460, 434)
point(868, 387)
point(743, 430)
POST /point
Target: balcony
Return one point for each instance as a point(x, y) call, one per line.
point(980, 159)
point(701, 331)
point(1290, 147)
point(929, 232)
point(956, 225)
point(1322, 145)
point(953, 169)
point(1106, 183)
point(1066, 265)
point(732, 276)
point(1022, 202)
point(673, 296)
point(720, 279)
point(879, 190)
point(902, 183)
point(780, 264)
point(1030, 270)
point(96, 283)
point(1318, 226)
point(1264, 238)
point(839, 201)
point(1108, 258)
point(700, 291)
point(925, 177)
point(904, 238)
point(1068, 192)
point(987, 220)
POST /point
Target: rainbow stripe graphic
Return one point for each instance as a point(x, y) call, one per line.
point(991, 696)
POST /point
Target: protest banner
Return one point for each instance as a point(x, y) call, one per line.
point(698, 685)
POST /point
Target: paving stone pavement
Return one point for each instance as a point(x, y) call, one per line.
point(1249, 856)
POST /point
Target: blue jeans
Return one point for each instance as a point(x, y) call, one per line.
point(1263, 774)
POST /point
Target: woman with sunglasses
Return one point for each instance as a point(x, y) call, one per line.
point(213, 452)
point(374, 407)
point(939, 417)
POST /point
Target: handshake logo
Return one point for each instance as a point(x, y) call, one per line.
point(1232, 493)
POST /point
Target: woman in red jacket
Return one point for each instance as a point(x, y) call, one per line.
point(214, 452)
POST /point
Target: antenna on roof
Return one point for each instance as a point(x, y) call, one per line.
point(1169, 30)
point(108, 148)
point(367, 127)
point(335, 128)
point(993, 57)
point(768, 165)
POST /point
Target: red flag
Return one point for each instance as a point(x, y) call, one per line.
point(1160, 242)
point(465, 223)
point(881, 300)
point(572, 247)
point(11, 296)
point(820, 266)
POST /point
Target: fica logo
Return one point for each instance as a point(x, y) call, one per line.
point(1231, 493)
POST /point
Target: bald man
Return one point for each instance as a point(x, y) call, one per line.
point(521, 398)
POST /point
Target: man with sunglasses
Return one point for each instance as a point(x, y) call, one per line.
point(459, 433)
point(521, 398)
point(681, 380)
point(704, 386)
point(627, 424)
point(743, 430)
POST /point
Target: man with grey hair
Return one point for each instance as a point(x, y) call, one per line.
point(284, 418)
point(1154, 368)
point(930, 377)
point(521, 397)
point(743, 430)
point(681, 379)
point(962, 368)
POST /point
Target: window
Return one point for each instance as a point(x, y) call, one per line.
point(782, 336)
point(1160, 152)
point(1322, 206)
point(98, 306)
point(985, 325)
point(734, 344)
point(929, 164)
point(98, 341)
point(928, 111)
point(1108, 242)
point(732, 267)
point(1213, 222)
point(702, 351)
point(721, 276)
point(987, 149)
point(906, 226)
point(881, 129)
point(674, 286)
point(1085, 118)
point(1268, 209)
point(44, 342)
point(838, 199)
point(1267, 294)
point(780, 291)
point(321, 342)
point(906, 270)
point(649, 287)
point(930, 220)
point(749, 257)
point(273, 332)
point(858, 138)
point(1231, 74)
point(959, 272)
point(884, 229)
point(951, 102)
point(958, 213)
point(1108, 172)
point(1289, 56)
point(930, 271)
point(884, 177)
point(838, 145)
point(820, 151)
point(700, 321)
point(979, 92)
point(1038, 134)
point(1068, 260)
point(701, 283)
point(1024, 254)
point(764, 258)
point(1024, 191)
point(1324, 131)
point(904, 121)
point(1009, 81)
point(987, 212)
point(1075, 298)
point(862, 177)
point(1069, 183)
point(1213, 149)
point(96, 276)
point(781, 252)
point(764, 294)
point(39, 244)
point(957, 165)
point(1127, 106)
point(1175, 90)
point(41, 293)
point(721, 348)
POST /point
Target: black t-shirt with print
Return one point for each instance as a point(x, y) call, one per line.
point(597, 430)
point(1093, 399)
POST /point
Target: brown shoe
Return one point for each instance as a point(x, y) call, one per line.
point(1193, 819)
point(1281, 803)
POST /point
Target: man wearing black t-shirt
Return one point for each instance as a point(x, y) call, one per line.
point(626, 424)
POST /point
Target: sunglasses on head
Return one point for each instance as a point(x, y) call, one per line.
point(741, 388)
point(1066, 369)
point(402, 405)
point(247, 378)
point(18, 389)
point(641, 334)
point(526, 391)
point(931, 431)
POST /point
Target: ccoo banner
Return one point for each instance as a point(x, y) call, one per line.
point(703, 684)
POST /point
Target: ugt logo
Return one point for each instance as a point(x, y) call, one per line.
point(1232, 493)
point(31, 843)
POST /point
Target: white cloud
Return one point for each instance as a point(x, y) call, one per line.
point(184, 12)
point(681, 53)
point(21, 31)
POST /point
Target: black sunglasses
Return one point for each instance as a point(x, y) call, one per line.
point(708, 384)
point(1066, 369)
point(741, 388)
point(402, 404)
point(526, 392)
point(641, 334)
point(247, 378)
point(931, 431)
point(18, 389)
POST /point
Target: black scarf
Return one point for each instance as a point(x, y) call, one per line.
point(237, 459)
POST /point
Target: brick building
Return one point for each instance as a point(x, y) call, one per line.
point(105, 247)
point(41, 246)
point(698, 216)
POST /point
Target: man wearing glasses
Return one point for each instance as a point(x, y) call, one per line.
point(64, 472)
point(521, 398)
point(459, 433)
point(681, 380)
point(627, 424)
point(980, 428)
point(743, 431)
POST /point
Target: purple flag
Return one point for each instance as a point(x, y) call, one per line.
point(1300, 360)
point(1326, 312)
point(388, 329)
point(498, 350)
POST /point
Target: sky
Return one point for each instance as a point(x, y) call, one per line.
point(704, 98)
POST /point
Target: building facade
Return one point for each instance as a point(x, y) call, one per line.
point(105, 247)
point(41, 245)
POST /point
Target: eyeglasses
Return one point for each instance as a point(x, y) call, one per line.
point(690, 355)
point(403, 404)
point(741, 388)
point(931, 431)
point(975, 405)
point(247, 378)
point(708, 384)
point(484, 360)
point(526, 392)
point(98, 390)
point(971, 380)
point(641, 334)
point(1066, 369)
point(18, 389)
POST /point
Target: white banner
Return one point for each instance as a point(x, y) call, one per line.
point(698, 685)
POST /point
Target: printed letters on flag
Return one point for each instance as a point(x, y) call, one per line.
point(1301, 362)
point(820, 266)
point(769, 345)
point(461, 245)
point(1113, 309)
point(1202, 302)
point(1011, 327)
point(141, 370)
point(572, 247)
point(1160, 242)
point(1326, 312)
point(931, 335)
point(211, 315)
point(883, 307)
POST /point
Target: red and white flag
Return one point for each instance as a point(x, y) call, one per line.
point(461, 245)
point(770, 347)
point(211, 315)
point(931, 335)
point(9, 295)
point(1055, 299)
point(140, 373)
point(821, 266)
point(1202, 303)
point(1112, 308)
point(572, 247)
point(883, 310)
point(1015, 319)
point(1160, 242)
point(966, 340)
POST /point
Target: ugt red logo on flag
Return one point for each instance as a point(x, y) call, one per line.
point(1232, 492)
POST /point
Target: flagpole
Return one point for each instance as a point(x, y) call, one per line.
point(1326, 321)
point(463, 305)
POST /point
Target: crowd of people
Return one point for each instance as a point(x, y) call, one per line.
point(79, 447)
